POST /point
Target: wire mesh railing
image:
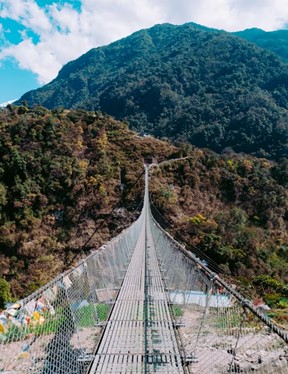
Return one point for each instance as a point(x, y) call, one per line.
point(56, 329)
point(178, 302)
point(219, 330)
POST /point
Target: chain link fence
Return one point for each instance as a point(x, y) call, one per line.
point(57, 329)
point(219, 331)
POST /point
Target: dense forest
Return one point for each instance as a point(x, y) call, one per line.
point(67, 185)
point(273, 41)
point(70, 180)
point(190, 83)
point(234, 210)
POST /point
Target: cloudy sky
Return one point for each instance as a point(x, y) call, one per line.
point(38, 37)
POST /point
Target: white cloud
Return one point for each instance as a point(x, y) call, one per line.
point(65, 33)
point(35, 58)
point(27, 12)
point(66, 18)
point(230, 15)
point(3, 105)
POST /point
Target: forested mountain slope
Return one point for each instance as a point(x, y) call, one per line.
point(62, 172)
point(186, 82)
point(274, 41)
point(233, 208)
point(64, 176)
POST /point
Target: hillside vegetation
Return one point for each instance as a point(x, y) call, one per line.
point(273, 41)
point(208, 87)
point(61, 174)
point(233, 208)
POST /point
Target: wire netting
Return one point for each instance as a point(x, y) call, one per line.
point(57, 328)
point(219, 330)
point(144, 301)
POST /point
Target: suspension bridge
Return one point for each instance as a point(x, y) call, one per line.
point(140, 304)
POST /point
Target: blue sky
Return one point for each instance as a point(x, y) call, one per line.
point(38, 37)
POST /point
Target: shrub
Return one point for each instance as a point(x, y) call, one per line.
point(272, 299)
point(265, 283)
point(5, 294)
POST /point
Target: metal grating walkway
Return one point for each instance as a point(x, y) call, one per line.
point(139, 336)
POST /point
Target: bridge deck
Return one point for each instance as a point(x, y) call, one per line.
point(139, 336)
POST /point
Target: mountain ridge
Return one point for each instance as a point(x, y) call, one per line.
point(273, 41)
point(212, 89)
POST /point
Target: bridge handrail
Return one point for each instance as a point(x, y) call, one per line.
point(213, 277)
point(95, 252)
point(75, 301)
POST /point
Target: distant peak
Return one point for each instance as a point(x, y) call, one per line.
point(254, 31)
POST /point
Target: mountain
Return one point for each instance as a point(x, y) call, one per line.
point(273, 41)
point(70, 180)
point(207, 87)
point(234, 208)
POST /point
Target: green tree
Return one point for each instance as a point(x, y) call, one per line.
point(5, 294)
